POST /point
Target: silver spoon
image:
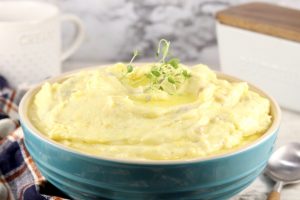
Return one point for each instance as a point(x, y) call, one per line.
point(284, 168)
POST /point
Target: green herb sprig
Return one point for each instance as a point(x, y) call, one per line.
point(130, 66)
point(163, 46)
point(168, 75)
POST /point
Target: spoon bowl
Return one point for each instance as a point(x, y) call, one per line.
point(284, 167)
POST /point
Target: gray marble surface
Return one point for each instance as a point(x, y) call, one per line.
point(114, 28)
point(289, 132)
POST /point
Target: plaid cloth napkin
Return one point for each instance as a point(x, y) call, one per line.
point(19, 176)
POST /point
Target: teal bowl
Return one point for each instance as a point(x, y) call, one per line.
point(83, 176)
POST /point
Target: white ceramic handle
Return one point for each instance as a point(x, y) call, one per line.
point(78, 37)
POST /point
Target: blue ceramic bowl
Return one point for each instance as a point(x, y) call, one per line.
point(83, 176)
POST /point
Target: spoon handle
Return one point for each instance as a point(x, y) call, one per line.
point(274, 195)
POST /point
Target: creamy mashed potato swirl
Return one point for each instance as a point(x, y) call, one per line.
point(113, 113)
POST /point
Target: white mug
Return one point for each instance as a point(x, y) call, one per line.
point(30, 41)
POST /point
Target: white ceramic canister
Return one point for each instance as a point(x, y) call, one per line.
point(260, 43)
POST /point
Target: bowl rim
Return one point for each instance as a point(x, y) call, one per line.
point(25, 121)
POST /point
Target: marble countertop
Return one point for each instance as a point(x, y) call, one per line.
point(289, 132)
point(258, 190)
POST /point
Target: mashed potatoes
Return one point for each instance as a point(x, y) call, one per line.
point(149, 112)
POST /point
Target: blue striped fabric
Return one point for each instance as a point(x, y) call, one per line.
point(19, 177)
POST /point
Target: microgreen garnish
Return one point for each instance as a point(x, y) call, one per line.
point(171, 80)
point(186, 74)
point(163, 46)
point(167, 75)
point(129, 66)
point(174, 62)
point(155, 73)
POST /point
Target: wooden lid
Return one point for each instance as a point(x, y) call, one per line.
point(263, 18)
